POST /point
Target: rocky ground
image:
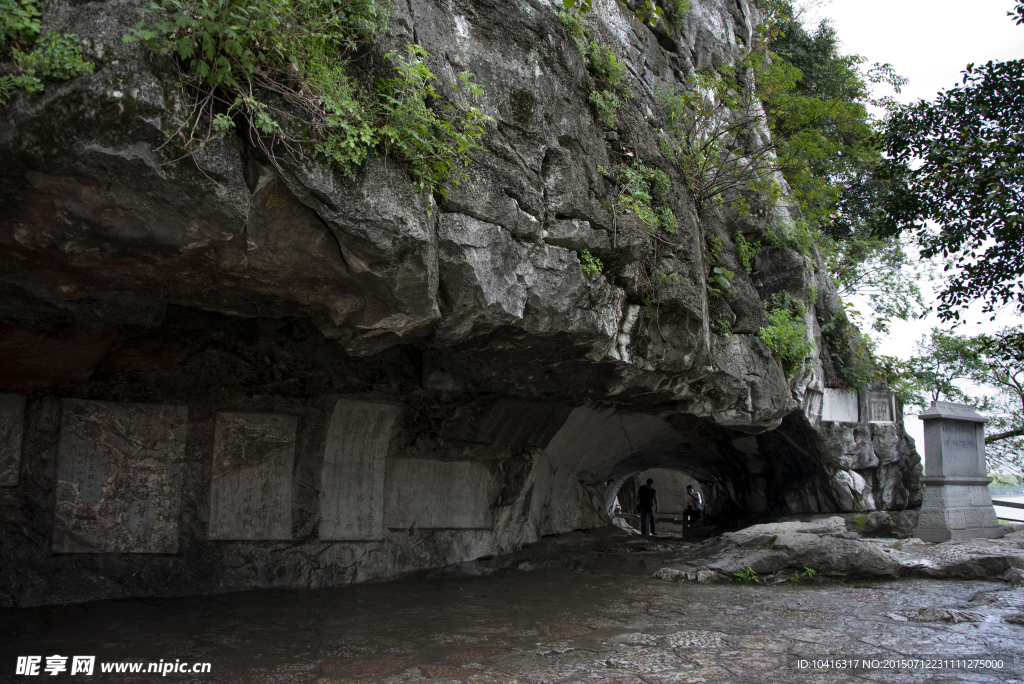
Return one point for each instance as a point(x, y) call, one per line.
point(585, 607)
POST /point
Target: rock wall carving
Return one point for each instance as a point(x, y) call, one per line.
point(251, 476)
point(118, 477)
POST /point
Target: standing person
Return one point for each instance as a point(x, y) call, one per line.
point(694, 504)
point(647, 506)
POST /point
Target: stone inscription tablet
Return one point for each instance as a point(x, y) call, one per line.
point(880, 408)
point(119, 477)
point(960, 449)
point(12, 425)
point(428, 493)
point(355, 458)
point(840, 405)
point(251, 479)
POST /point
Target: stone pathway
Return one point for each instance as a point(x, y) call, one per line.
point(545, 625)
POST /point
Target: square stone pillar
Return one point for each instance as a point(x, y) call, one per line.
point(956, 503)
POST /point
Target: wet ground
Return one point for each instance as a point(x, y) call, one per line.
point(607, 620)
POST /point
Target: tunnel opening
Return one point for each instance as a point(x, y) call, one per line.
point(672, 473)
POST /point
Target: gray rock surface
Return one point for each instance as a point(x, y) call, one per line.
point(833, 547)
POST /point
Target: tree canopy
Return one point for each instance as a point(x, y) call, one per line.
point(956, 172)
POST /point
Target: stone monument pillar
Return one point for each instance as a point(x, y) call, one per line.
point(956, 504)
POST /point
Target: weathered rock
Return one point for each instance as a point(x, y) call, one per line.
point(348, 351)
point(830, 547)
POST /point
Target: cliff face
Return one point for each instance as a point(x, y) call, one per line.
point(272, 375)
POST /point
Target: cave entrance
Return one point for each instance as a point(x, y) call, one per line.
point(670, 481)
point(671, 487)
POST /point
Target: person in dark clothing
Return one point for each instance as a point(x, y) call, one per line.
point(647, 506)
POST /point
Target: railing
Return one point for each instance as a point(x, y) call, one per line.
point(1009, 504)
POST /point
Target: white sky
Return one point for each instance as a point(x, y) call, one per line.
point(929, 42)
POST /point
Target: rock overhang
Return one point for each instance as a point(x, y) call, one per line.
point(228, 284)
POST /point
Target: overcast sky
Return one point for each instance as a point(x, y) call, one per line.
point(929, 42)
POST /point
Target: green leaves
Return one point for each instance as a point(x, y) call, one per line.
point(721, 279)
point(239, 52)
point(435, 147)
point(53, 57)
point(606, 104)
point(590, 264)
point(640, 189)
point(649, 13)
point(746, 251)
point(19, 24)
point(956, 162)
point(223, 42)
point(786, 333)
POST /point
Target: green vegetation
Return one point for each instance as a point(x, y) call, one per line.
point(30, 60)
point(246, 61)
point(572, 19)
point(806, 573)
point(603, 65)
point(667, 220)
point(955, 163)
point(720, 281)
point(677, 9)
point(822, 142)
point(590, 264)
point(1006, 485)
point(635, 193)
point(606, 104)
point(747, 574)
point(746, 252)
point(851, 353)
point(786, 333)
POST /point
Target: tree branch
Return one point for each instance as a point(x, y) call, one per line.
point(1004, 435)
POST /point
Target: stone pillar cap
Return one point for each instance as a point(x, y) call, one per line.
point(947, 409)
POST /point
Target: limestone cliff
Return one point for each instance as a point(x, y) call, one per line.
point(271, 375)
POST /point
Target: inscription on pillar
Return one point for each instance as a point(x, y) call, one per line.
point(957, 504)
point(960, 435)
point(119, 477)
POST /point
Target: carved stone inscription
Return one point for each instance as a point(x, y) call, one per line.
point(960, 449)
point(355, 458)
point(880, 408)
point(119, 477)
point(251, 480)
point(840, 406)
point(428, 493)
point(959, 436)
point(12, 422)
